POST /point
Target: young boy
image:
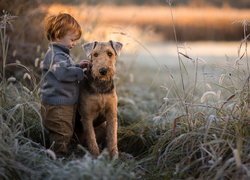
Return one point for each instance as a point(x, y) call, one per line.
point(60, 75)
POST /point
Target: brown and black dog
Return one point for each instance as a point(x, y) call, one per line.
point(98, 99)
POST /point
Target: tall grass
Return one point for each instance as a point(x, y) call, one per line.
point(198, 130)
point(209, 137)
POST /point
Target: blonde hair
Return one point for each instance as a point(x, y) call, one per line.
point(57, 26)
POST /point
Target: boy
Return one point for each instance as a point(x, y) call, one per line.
point(60, 75)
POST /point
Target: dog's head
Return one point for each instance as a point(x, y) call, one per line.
point(103, 58)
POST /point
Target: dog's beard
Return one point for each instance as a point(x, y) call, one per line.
point(100, 84)
point(103, 86)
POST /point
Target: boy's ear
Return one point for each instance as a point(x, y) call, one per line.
point(88, 47)
point(117, 46)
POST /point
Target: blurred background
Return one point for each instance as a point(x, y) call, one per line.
point(208, 30)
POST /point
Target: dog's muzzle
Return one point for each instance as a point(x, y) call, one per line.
point(103, 71)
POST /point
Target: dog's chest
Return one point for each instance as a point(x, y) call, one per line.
point(104, 101)
point(98, 103)
point(101, 102)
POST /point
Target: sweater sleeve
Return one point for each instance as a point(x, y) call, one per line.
point(64, 70)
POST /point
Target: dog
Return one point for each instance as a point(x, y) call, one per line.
point(98, 98)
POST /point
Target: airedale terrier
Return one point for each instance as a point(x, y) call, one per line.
point(98, 99)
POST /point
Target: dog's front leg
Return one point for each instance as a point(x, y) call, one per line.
point(112, 131)
point(89, 133)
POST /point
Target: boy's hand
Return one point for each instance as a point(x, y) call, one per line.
point(84, 64)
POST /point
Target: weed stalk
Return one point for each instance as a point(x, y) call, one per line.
point(245, 24)
point(5, 42)
point(180, 64)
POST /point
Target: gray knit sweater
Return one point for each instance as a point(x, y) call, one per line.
point(60, 76)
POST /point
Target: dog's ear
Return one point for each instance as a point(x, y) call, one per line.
point(88, 47)
point(117, 46)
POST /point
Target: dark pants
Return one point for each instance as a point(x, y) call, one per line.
point(59, 120)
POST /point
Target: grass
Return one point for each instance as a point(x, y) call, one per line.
point(193, 127)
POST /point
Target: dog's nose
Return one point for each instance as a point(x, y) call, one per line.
point(103, 71)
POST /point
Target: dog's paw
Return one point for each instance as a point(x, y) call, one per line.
point(114, 154)
point(95, 152)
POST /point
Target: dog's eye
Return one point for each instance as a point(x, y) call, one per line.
point(95, 54)
point(109, 54)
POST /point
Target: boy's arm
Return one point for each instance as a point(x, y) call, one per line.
point(64, 71)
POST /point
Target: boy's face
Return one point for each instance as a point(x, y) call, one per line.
point(69, 40)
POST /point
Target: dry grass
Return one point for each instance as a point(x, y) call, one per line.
point(193, 132)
